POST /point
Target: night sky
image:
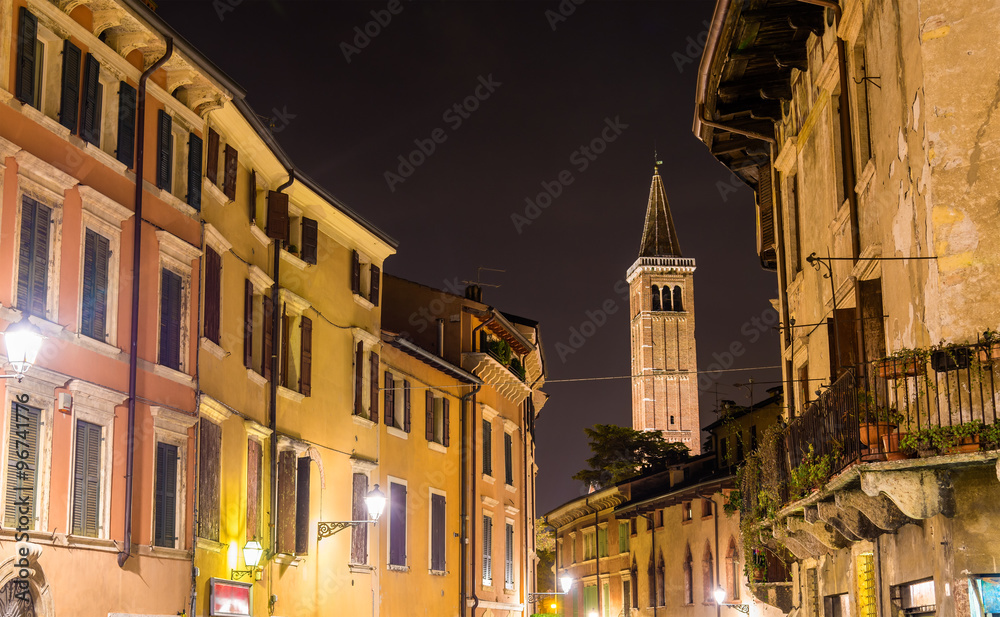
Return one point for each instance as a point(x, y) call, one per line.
point(556, 82)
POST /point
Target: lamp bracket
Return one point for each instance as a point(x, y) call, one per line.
point(325, 529)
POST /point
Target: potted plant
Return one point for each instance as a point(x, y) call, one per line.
point(967, 436)
point(891, 446)
point(875, 420)
point(294, 250)
point(989, 346)
point(903, 363)
point(917, 442)
point(989, 437)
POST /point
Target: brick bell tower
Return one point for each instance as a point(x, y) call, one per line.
point(661, 299)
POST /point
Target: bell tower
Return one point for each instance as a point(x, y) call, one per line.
point(661, 302)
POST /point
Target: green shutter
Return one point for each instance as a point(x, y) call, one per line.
point(170, 320)
point(27, 35)
point(86, 479)
point(194, 172)
point(96, 253)
point(126, 124)
point(33, 258)
point(90, 120)
point(164, 150)
point(22, 447)
point(69, 106)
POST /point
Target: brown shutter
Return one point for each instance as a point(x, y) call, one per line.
point(213, 286)
point(310, 240)
point(359, 512)
point(212, 166)
point(277, 216)
point(27, 35)
point(252, 196)
point(359, 372)
point(355, 272)
point(210, 449)
point(390, 408)
point(765, 218)
point(429, 416)
point(373, 412)
point(247, 323)
point(284, 347)
point(23, 424)
point(406, 406)
point(302, 506)
point(232, 166)
point(305, 363)
point(86, 480)
point(376, 277)
point(266, 336)
point(446, 436)
point(254, 464)
point(286, 502)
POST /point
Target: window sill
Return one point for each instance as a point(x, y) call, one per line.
point(363, 302)
point(438, 572)
point(47, 327)
point(395, 432)
point(209, 188)
point(291, 394)
point(287, 559)
point(395, 568)
point(169, 199)
point(163, 552)
point(363, 421)
point(258, 233)
point(687, 522)
point(73, 541)
point(212, 348)
point(433, 445)
point(100, 347)
point(204, 544)
point(358, 568)
point(45, 121)
point(256, 377)
point(293, 260)
point(510, 488)
point(169, 373)
point(105, 158)
point(488, 479)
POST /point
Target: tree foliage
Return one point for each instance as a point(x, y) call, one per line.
point(621, 453)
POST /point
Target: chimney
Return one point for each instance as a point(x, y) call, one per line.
point(474, 292)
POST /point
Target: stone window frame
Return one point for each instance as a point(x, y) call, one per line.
point(371, 343)
point(366, 467)
point(171, 427)
point(177, 256)
point(430, 529)
point(294, 307)
point(389, 481)
point(510, 428)
point(217, 242)
point(262, 284)
point(259, 433)
point(105, 216)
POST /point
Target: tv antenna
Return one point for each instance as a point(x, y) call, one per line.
point(479, 276)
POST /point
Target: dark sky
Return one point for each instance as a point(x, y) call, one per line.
point(554, 91)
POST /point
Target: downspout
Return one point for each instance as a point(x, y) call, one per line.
point(529, 516)
point(597, 553)
point(472, 472)
point(272, 420)
point(465, 399)
point(133, 359)
point(652, 556)
point(196, 492)
point(718, 583)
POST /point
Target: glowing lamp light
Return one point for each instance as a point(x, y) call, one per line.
point(553, 606)
point(593, 614)
point(720, 595)
point(566, 582)
point(22, 341)
point(375, 501)
point(252, 553)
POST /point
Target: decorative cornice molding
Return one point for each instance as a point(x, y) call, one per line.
point(102, 206)
point(172, 246)
point(260, 280)
point(213, 409)
point(34, 168)
point(172, 421)
point(295, 303)
point(216, 240)
point(255, 429)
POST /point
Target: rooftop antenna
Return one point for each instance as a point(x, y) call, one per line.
point(479, 276)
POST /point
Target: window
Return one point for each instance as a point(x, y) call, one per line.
point(22, 451)
point(867, 602)
point(686, 511)
point(661, 581)
point(733, 572)
point(671, 420)
point(739, 448)
point(634, 580)
point(164, 151)
point(231, 169)
point(359, 512)
point(708, 575)
point(310, 240)
point(508, 570)
point(170, 319)
point(753, 438)
point(96, 258)
point(255, 464)
point(487, 447)
point(366, 368)
point(194, 171)
point(209, 457)
point(389, 403)
point(803, 379)
point(602, 541)
point(365, 278)
point(397, 524)
point(438, 525)
point(212, 162)
point(626, 598)
point(590, 600)
point(436, 424)
point(293, 503)
point(918, 599)
point(589, 546)
point(794, 250)
point(92, 92)
point(688, 577)
point(125, 152)
point(295, 366)
point(508, 458)
point(86, 479)
point(33, 258)
point(724, 451)
point(165, 496)
point(678, 299)
point(623, 536)
point(837, 606)
point(812, 593)
point(651, 580)
point(706, 507)
point(487, 551)
point(302, 486)
point(213, 295)
point(572, 548)
point(861, 102)
point(655, 297)
point(30, 59)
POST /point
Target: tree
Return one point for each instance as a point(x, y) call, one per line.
point(545, 548)
point(621, 453)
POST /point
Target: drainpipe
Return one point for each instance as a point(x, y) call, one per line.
point(472, 471)
point(133, 361)
point(652, 555)
point(272, 421)
point(470, 529)
point(597, 553)
point(529, 516)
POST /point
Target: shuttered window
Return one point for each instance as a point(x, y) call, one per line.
point(286, 502)
point(429, 416)
point(94, 298)
point(389, 412)
point(305, 356)
point(165, 497)
point(487, 551)
point(69, 99)
point(247, 323)
point(359, 512)
point(302, 506)
point(212, 163)
point(90, 120)
point(285, 347)
point(194, 171)
point(267, 336)
point(445, 423)
point(508, 458)
point(623, 536)
point(209, 458)
point(376, 277)
point(310, 240)
point(406, 406)
point(170, 320)
point(33, 258)
point(359, 378)
point(27, 35)
point(126, 124)
point(397, 524)
point(255, 463)
point(487, 447)
point(508, 557)
point(86, 479)
point(437, 532)
point(356, 272)
point(232, 167)
point(252, 197)
point(765, 218)
point(277, 216)
point(22, 450)
point(213, 294)
point(373, 412)
point(164, 150)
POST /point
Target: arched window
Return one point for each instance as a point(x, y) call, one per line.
point(678, 299)
point(708, 571)
point(666, 299)
point(732, 571)
point(656, 298)
point(661, 582)
point(651, 576)
point(688, 577)
point(634, 579)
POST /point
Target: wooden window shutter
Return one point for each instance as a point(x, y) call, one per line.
point(376, 277)
point(27, 34)
point(209, 462)
point(23, 425)
point(165, 496)
point(90, 118)
point(429, 415)
point(487, 447)
point(170, 320)
point(406, 406)
point(397, 524)
point(487, 550)
point(508, 458)
point(212, 164)
point(355, 272)
point(446, 432)
point(247, 323)
point(284, 347)
point(266, 343)
point(213, 291)
point(277, 216)
point(93, 313)
point(373, 412)
point(255, 456)
point(286, 502)
point(164, 150)
point(359, 378)
point(310, 240)
point(126, 124)
point(302, 506)
point(508, 572)
point(359, 512)
point(69, 100)
point(232, 167)
point(438, 532)
point(33, 259)
point(194, 172)
point(86, 479)
point(390, 408)
point(765, 218)
point(252, 196)
point(305, 358)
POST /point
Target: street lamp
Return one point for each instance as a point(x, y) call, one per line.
point(720, 599)
point(374, 503)
point(565, 581)
point(252, 554)
point(22, 341)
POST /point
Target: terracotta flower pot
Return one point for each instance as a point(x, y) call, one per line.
point(890, 445)
point(892, 368)
point(871, 433)
point(993, 353)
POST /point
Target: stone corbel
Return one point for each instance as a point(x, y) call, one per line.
point(803, 546)
point(850, 522)
point(179, 76)
point(882, 512)
point(104, 19)
point(824, 533)
point(919, 493)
